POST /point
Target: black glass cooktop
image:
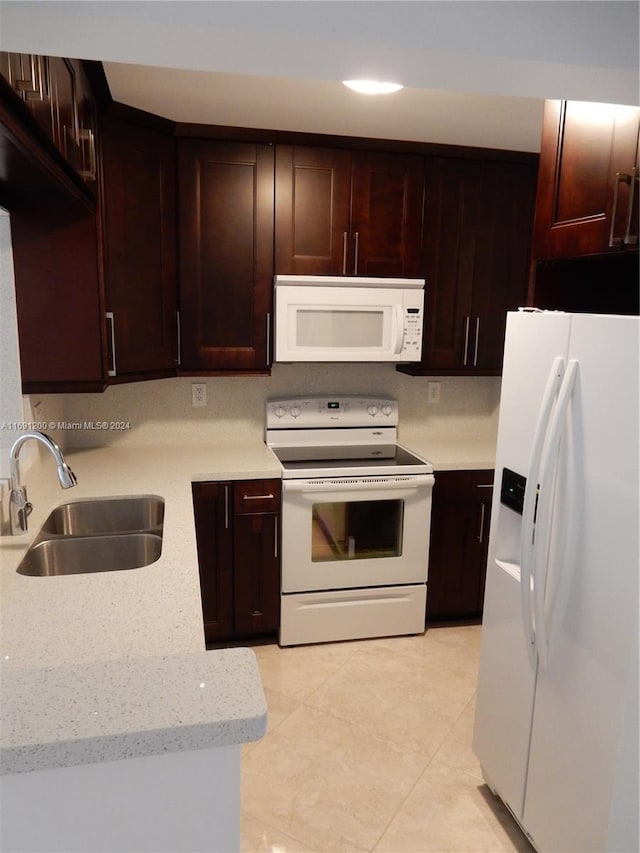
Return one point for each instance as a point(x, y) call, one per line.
point(347, 456)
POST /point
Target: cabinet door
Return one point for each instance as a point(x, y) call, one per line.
point(478, 223)
point(313, 192)
point(386, 215)
point(460, 518)
point(213, 509)
point(502, 231)
point(87, 128)
point(226, 254)
point(256, 556)
point(58, 298)
point(257, 574)
point(140, 240)
point(449, 263)
point(64, 104)
point(588, 168)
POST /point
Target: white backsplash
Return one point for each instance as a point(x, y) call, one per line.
point(160, 411)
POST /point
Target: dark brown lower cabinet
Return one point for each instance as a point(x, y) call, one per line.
point(460, 517)
point(238, 535)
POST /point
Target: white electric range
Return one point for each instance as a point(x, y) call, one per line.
point(356, 513)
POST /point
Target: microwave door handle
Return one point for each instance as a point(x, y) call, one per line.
point(399, 329)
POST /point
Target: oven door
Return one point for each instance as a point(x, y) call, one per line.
point(352, 532)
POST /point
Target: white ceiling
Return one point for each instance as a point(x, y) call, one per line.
point(475, 71)
point(315, 106)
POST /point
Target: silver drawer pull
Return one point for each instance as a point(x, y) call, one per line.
point(466, 341)
point(111, 370)
point(621, 177)
point(257, 497)
point(481, 531)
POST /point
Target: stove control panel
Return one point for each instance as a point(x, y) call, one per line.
point(318, 412)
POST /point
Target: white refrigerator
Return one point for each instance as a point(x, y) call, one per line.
point(556, 726)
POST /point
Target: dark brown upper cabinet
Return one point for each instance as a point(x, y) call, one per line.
point(54, 231)
point(58, 297)
point(54, 97)
point(28, 75)
point(226, 254)
point(341, 212)
point(477, 235)
point(587, 201)
point(139, 177)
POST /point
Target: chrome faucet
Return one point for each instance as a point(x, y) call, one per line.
point(19, 507)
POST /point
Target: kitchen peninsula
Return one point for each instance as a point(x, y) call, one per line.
point(116, 722)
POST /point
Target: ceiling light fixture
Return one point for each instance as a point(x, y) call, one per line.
point(372, 87)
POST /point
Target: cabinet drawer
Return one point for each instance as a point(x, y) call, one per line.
point(257, 496)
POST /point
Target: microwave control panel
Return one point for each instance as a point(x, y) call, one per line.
point(412, 343)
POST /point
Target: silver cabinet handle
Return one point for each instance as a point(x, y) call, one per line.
point(33, 88)
point(631, 239)
point(86, 137)
point(111, 371)
point(356, 237)
point(344, 253)
point(226, 507)
point(257, 497)
point(178, 341)
point(275, 536)
point(268, 339)
point(621, 177)
point(475, 348)
point(481, 531)
point(466, 341)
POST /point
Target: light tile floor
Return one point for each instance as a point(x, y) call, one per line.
point(368, 748)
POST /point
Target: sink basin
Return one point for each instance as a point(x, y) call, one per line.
point(97, 535)
point(86, 554)
point(137, 513)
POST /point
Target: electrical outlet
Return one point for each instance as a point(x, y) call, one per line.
point(198, 394)
point(433, 392)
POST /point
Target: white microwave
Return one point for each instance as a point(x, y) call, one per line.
point(343, 318)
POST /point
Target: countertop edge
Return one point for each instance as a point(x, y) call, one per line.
point(97, 726)
point(48, 756)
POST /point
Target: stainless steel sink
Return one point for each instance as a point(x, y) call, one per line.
point(97, 535)
point(85, 554)
point(133, 514)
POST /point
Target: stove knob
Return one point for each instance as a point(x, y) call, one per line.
point(386, 409)
point(280, 412)
point(373, 410)
point(295, 411)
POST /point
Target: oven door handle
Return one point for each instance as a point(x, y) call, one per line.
point(354, 484)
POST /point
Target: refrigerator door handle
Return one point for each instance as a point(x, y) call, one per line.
point(557, 429)
point(530, 503)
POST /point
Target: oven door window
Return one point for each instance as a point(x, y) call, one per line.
point(356, 530)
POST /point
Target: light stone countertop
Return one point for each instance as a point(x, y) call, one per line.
point(130, 628)
point(108, 711)
point(454, 452)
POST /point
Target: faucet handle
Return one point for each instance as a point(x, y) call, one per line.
point(19, 510)
point(25, 512)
